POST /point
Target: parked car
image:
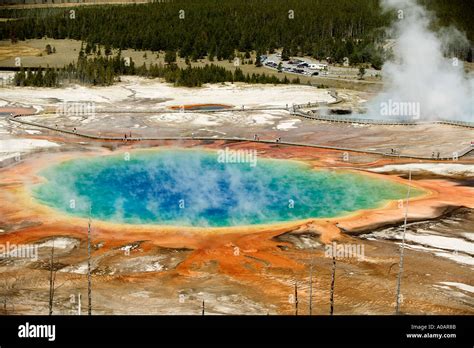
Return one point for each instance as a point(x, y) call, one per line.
point(295, 61)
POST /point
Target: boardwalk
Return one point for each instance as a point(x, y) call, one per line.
point(294, 111)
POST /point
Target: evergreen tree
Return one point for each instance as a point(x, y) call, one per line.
point(170, 57)
point(88, 49)
point(107, 50)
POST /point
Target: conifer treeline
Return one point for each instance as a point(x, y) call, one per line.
point(217, 28)
point(99, 70)
point(104, 71)
point(96, 70)
point(197, 76)
point(39, 78)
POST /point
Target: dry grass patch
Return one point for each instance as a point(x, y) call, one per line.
point(18, 50)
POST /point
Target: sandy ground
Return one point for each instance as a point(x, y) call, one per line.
point(162, 94)
point(451, 169)
point(245, 270)
point(112, 106)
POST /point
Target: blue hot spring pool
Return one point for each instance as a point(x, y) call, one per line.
point(192, 188)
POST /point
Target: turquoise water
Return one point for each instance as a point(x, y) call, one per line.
point(192, 188)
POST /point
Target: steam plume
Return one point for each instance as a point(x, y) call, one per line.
point(419, 73)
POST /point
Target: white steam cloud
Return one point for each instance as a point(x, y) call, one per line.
point(422, 83)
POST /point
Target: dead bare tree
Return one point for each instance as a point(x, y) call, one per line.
point(89, 282)
point(311, 287)
point(5, 294)
point(52, 278)
point(333, 281)
point(9, 288)
point(14, 282)
point(296, 297)
point(79, 304)
point(402, 250)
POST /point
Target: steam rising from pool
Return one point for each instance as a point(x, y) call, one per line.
point(421, 83)
point(192, 188)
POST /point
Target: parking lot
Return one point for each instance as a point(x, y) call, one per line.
point(312, 68)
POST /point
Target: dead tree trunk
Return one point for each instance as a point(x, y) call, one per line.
point(203, 307)
point(8, 292)
point(79, 304)
point(311, 287)
point(52, 276)
point(402, 250)
point(89, 285)
point(296, 298)
point(333, 281)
